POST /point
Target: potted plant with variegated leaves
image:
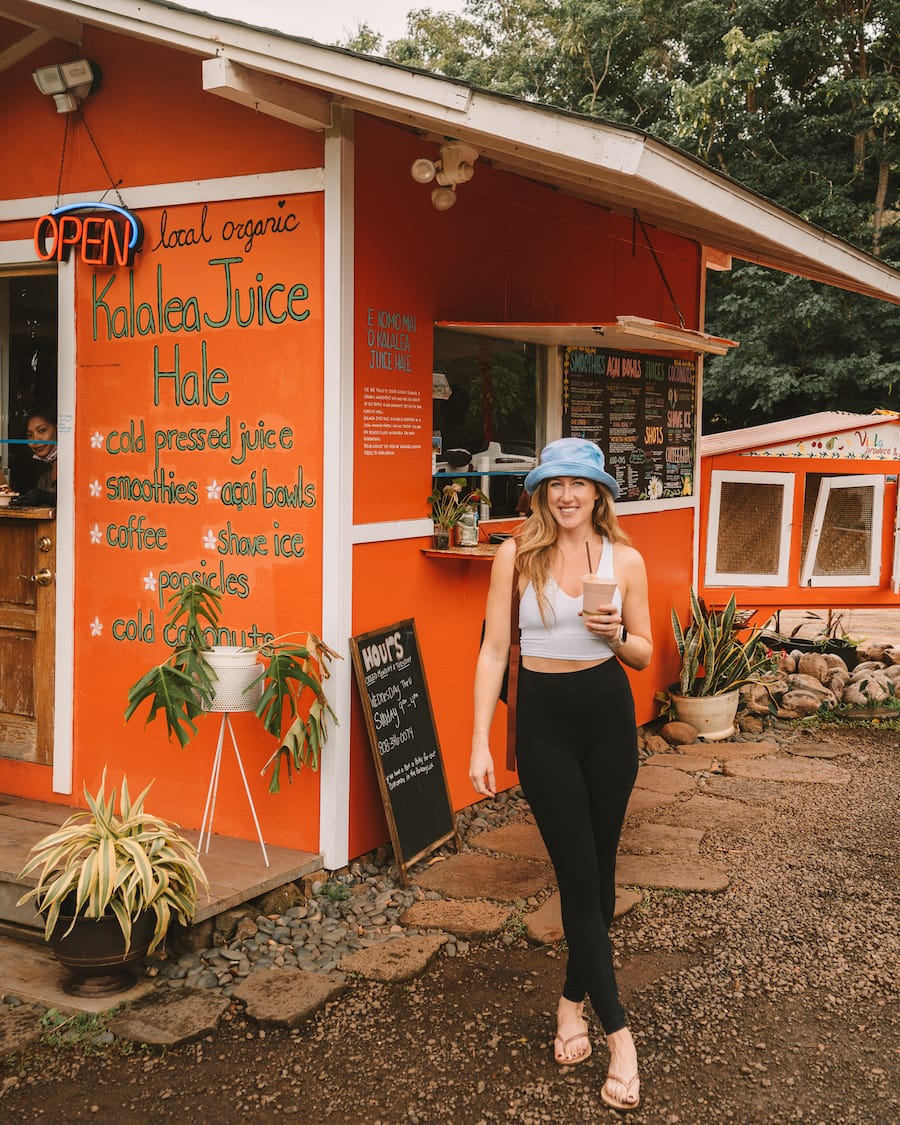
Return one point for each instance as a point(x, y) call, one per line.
point(109, 886)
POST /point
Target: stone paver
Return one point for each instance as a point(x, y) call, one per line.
point(287, 997)
point(743, 789)
point(817, 750)
point(475, 875)
point(683, 873)
point(643, 799)
point(545, 927)
point(178, 1016)
point(791, 770)
point(469, 919)
point(663, 779)
point(521, 839)
point(690, 763)
point(712, 812)
point(394, 961)
point(730, 751)
point(660, 839)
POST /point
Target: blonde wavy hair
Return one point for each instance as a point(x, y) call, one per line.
point(536, 541)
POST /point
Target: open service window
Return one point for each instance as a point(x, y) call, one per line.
point(484, 395)
point(748, 530)
point(842, 519)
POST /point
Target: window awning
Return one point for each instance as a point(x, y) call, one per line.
point(626, 333)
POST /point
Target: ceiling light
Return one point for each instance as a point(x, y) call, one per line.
point(443, 198)
point(423, 170)
point(68, 83)
point(455, 165)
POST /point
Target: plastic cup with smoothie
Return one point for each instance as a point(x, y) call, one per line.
point(596, 593)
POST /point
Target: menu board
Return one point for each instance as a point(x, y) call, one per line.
point(404, 741)
point(640, 410)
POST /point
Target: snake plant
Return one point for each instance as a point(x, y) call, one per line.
point(714, 657)
point(100, 862)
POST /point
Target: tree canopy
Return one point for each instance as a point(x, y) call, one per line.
point(797, 99)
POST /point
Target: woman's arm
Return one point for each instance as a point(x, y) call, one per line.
point(637, 648)
point(491, 666)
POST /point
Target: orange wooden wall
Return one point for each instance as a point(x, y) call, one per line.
point(143, 461)
point(509, 250)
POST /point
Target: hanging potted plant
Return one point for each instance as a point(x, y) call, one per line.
point(449, 504)
point(281, 680)
point(110, 885)
point(716, 660)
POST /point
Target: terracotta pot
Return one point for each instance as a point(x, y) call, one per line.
point(441, 538)
point(711, 715)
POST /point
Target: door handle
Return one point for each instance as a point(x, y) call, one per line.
point(45, 543)
point(43, 577)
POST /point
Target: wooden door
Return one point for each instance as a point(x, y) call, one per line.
point(27, 634)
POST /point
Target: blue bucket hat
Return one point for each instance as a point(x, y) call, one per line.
point(572, 457)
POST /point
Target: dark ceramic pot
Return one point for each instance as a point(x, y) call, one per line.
point(832, 646)
point(94, 952)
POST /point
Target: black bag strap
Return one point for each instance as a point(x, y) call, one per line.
point(514, 656)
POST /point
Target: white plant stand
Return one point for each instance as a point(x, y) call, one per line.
point(212, 792)
point(238, 688)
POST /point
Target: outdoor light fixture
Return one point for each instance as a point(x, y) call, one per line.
point(455, 165)
point(68, 83)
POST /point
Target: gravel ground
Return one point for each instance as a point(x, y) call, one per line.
point(772, 1002)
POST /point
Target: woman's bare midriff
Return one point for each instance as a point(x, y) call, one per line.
point(547, 664)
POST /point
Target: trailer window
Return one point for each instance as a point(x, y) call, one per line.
point(748, 530)
point(842, 519)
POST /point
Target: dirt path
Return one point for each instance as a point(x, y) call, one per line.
point(772, 1002)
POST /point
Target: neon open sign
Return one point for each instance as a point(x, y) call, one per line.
point(102, 234)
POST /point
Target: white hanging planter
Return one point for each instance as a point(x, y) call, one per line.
point(711, 715)
point(240, 678)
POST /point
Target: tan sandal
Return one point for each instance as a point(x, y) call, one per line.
point(614, 1102)
point(564, 1043)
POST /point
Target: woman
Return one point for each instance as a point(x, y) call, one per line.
point(576, 740)
point(40, 433)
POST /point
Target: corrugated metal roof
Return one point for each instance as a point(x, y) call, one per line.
point(791, 429)
point(608, 164)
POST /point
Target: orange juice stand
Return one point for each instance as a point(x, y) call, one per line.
point(277, 290)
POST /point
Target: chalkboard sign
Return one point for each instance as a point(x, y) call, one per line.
point(640, 410)
point(404, 741)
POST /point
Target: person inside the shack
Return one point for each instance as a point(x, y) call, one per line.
point(40, 433)
point(576, 735)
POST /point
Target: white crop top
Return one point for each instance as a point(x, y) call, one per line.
point(567, 638)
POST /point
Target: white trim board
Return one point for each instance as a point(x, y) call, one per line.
point(337, 485)
point(299, 181)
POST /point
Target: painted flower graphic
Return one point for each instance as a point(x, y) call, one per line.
point(95, 487)
point(150, 580)
point(655, 488)
point(97, 440)
point(213, 490)
point(209, 540)
point(96, 533)
point(96, 627)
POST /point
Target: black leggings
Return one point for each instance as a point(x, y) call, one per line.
point(576, 747)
